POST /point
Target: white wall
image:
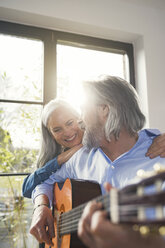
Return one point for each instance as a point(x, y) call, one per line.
point(141, 22)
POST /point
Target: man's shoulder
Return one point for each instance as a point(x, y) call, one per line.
point(151, 133)
point(145, 139)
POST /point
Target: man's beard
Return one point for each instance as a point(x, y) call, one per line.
point(93, 136)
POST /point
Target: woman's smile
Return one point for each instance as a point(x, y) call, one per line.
point(71, 138)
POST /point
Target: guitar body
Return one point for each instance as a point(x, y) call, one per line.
point(67, 196)
point(128, 206)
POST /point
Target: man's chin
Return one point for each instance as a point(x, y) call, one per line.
point(89, 142)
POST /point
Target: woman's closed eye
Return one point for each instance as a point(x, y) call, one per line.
point(70, 122)
point(56, 130)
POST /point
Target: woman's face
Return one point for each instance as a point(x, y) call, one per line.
point(64, 127)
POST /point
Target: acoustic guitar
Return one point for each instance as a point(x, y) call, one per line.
point(126, 206)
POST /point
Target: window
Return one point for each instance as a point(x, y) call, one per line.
point(21, 83)
point(75, 64)
point(37, 65)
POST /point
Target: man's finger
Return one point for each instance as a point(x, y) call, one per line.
point(34, 232)
point(51, 231)
point(107, 186)
point(45, 236)
point(84, 233)
point(91, 208)
point(97, 220)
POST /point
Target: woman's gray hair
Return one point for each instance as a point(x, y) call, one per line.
point(49, 147)
point(122, 100)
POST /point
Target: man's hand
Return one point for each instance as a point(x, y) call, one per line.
point(96, 230)
point(42, 226)
point(157, 148)
point(85, 232)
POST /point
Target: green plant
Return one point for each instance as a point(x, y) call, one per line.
point(15, 220)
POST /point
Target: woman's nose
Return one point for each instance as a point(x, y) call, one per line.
point(67, 131)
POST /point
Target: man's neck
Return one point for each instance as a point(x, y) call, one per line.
point(115, 148)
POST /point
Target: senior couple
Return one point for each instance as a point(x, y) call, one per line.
point(114, 149)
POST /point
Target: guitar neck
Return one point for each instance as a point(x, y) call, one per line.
point(128, 205)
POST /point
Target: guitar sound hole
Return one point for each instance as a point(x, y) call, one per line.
point(62, 208)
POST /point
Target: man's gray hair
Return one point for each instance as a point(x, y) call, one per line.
point(49, 147)
point(122, 100)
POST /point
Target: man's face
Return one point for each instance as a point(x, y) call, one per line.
point(94, 129)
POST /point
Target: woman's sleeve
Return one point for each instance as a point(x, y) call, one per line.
point(39, 176)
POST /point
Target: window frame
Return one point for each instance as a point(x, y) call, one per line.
point(51, 38)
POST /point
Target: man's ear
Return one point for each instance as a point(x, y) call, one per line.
point(103, 111)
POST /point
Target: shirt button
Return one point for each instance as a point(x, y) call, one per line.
point(112, 167)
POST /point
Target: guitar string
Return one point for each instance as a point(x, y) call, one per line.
point(67, 217)
point(70, 222)
point(72, 225)
point(102, 199)
point(122, 209)
point(97, 199)
point(72, 213)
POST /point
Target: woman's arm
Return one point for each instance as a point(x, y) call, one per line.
point(42, 174)
point(39, 176)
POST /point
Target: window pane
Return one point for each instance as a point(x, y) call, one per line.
point(15, 215)
point(19, 136)
point(21, 68)
point(76, 64)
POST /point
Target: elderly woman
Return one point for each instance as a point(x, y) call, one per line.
point(61, 138)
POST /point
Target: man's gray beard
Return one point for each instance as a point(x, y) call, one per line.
point(92, 138)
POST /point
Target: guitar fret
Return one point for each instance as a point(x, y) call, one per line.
point(141, 210)
point(114, 213)
point(159, 208)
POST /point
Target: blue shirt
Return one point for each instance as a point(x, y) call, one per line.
point(96, 166)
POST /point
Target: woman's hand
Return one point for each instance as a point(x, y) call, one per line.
point(157, 148)
point(65, 156)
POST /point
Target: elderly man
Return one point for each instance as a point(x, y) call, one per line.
point(114, 147)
